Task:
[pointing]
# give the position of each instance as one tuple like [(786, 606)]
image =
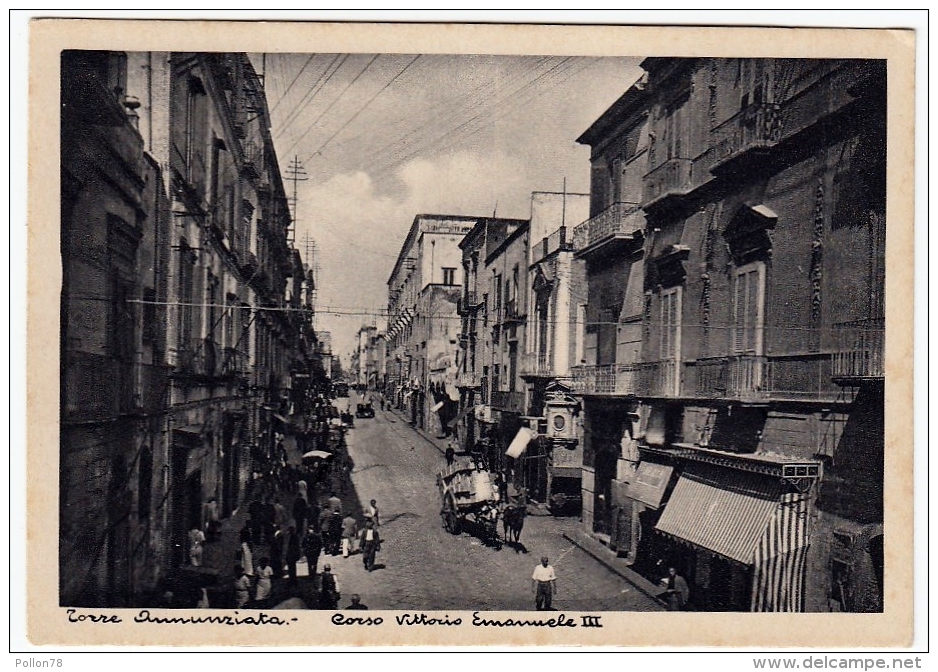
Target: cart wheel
[(450, 517)]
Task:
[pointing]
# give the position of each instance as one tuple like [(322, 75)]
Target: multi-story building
[(368, 359), (556, 289), (174, 221), (423, 324), (610, 246), (114, 385), (492, 311), (748, 335)]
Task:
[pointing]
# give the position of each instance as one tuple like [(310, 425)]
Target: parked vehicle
[(469, 494)]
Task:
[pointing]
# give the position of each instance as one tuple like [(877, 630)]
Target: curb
[(607, 558)]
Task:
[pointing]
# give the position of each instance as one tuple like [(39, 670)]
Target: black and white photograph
[(496, 338)]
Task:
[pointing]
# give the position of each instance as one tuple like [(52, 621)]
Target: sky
[(384, 137)]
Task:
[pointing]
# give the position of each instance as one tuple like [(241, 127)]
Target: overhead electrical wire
[(364, 107), (332, 104)]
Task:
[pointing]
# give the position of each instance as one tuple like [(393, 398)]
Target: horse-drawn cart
[(469, 494)]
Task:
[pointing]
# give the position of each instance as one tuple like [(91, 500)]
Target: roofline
[(627, 104)]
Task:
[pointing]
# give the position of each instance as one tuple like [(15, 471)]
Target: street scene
[(443, 333)]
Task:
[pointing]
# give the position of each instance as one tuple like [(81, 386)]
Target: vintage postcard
[(469, 335)]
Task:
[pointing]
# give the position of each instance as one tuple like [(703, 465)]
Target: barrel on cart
[(468, 494)]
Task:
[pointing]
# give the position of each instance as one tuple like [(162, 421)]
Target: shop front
[(739, 537)]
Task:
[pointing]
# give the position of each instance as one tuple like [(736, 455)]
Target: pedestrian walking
[(196, 544), (255, 511), (263, 574), (335, 504), (370, 544), (312, 547), (325, 526), (293, 553), (329, 593), (373, 513), (212, 521), (276, 552), (299, 513), (676, 591), (335, 533), (543, 585), (356, 602), (280, 513), (450, 454), (242, 587), (247, 558), (349, 534)]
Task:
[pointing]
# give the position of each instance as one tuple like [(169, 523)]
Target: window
[(186, 263), (748, 308), (670, 328), (449, 276), (671, 324)]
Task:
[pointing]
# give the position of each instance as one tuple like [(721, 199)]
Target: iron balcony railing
[(859, 349), (618, 220), (606, 379), (671, 178), (469, 379), (536, 364), (756, 378), (558, 240), (508, 401), (659, 379), (757, 126)]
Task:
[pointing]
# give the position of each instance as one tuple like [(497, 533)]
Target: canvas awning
[(520, 443), (649, 484), (721, 510)]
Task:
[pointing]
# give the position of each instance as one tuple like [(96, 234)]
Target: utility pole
[(296, 172)]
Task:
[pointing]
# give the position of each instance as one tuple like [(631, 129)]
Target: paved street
[(424, 567)]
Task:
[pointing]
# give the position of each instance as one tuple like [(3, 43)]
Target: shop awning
[(722, 510), (520, 443), (650, 482)]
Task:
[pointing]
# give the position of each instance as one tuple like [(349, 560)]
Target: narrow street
[(421, 566)]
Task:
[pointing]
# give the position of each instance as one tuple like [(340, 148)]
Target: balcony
[(513, 402), (253, 158), (746, 135), (96, 387), (235, 363), (512, 312), (658, 379), (669, 181), (468, 302), (616, 226), (749, 378), (469, 379), (555, 242), (606, 379), (859, 351), (536, 365)]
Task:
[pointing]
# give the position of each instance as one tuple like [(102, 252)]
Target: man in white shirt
[(543, 585)]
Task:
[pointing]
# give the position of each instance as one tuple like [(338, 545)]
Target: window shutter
[(739, 314)]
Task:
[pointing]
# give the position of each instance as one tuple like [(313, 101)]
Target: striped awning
[(781, 556), (722, 510)]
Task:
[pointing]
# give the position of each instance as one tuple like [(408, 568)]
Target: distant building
[(423, 324), (492, 312), (556, 289)]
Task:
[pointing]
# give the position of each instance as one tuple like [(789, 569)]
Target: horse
[(513, 522)]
